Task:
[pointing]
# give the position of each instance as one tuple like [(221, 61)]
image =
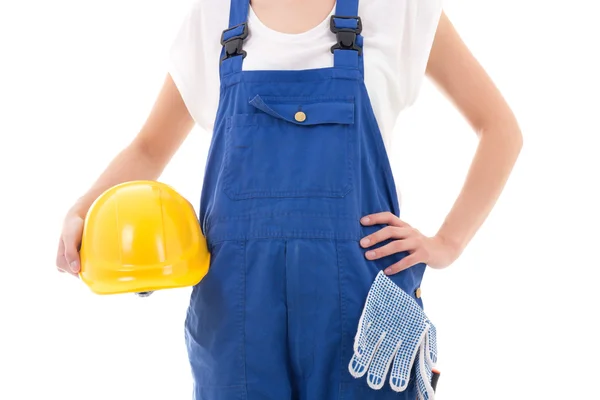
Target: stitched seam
[(324, 235), (243, 317), (284, 214), (342, 314)]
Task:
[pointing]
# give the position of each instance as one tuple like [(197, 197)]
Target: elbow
[(505, 132), (513, 137)]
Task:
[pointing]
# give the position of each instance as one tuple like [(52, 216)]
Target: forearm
[(146, 157), (132, 163), (464, 81), (496, 154)]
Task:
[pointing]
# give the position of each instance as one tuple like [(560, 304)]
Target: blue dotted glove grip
[(394, 332)]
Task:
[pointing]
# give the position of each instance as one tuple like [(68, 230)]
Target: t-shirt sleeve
[(190, 66), (419, 34)]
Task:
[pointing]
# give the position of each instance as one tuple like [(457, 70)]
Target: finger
[(401, 367), (423, 375), (72, 255), (431, 345), (388, 232), (397, 246), (363, 356), (407, 262), (364, 326), (62, 265), (383, 218), (67, 270), (61, 261), (380, 366)]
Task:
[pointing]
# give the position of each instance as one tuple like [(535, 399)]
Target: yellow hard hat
[(142, 236)]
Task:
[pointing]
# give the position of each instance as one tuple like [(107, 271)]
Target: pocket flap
[(307, 112)]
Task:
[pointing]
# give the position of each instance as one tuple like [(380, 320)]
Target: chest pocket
[(289, 148)]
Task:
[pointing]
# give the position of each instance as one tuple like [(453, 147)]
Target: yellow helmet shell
[(142, 236)]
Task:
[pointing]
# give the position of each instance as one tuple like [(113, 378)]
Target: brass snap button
[(418, 293), (300, 116)]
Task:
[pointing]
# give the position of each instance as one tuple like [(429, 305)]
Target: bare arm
[(147, 155), (144, 158), (458, 75)]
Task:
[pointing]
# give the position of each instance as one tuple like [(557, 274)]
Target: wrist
[(454, 244), (80, 208)]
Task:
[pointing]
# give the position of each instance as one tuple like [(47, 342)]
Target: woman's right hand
[(67, 257), (166, 128)]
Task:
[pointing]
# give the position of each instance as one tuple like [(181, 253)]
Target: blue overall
[(296, 159)]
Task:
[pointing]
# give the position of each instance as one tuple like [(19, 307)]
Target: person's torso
[(297, 153)]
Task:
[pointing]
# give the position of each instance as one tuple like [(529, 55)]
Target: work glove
[(392, 330), (426, 359)]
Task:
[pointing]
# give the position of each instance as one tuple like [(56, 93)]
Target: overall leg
[(267, 361), (333, 279), (314, 317), (236, 324)]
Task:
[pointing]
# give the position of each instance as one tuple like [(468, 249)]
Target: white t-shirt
[(398, 35)]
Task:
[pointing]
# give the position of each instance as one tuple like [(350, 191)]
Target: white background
[(516, 315)]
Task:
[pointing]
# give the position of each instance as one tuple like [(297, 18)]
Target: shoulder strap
[(347, 26), (232, 38)]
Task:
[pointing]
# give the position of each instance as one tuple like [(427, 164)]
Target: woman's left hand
[(433, 251)]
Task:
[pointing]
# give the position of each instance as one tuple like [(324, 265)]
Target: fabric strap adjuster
[(346, 30), (233, 40)]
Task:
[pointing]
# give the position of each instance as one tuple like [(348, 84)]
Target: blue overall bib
[(296, 159)]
